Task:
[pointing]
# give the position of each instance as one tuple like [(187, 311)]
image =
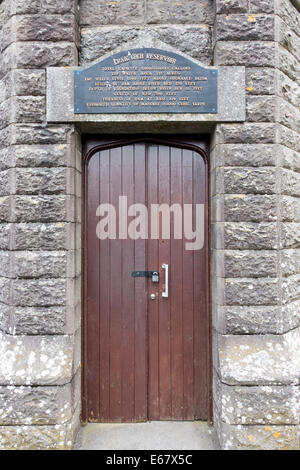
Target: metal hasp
[(153, 274), (146, 80)]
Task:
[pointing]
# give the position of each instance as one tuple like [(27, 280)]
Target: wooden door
[(145, 359)]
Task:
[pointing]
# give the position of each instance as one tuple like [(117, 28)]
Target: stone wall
[(39, 211), (255, 188), (255, 210)]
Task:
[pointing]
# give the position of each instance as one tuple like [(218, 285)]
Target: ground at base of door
[(153, 435)]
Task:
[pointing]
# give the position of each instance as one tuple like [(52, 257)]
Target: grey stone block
[(249, 133), (291, 289), (28, 82), (46, 156), (259, 360), (44, 437), (263, 291), (38, 360), (194, 41), (38, 321), (39, 54), (251, 236), (49, 264), (40, 27), (38, 236), (5, 235), (45, 181), (271, 405), (288, 64), (250, 264), (289, 138), (254, 54), (96, 12), (250, 208), (23, 405), (260, 81), (262, 6), (231, 6), (44, 208), (289, 14), (289, 158), (5, 208), (249, 181), (168, 12), (290, 235), (288, 39), (23, 134), (289, 115), (290, 262), (251, 320), (5, 290), (288, 89), (245, 155), (290, 209), (244, 28), (39, 292), (261, 109)]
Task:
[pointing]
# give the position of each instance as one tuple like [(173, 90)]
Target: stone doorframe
[(231, 108)]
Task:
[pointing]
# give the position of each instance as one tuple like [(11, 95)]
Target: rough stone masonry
[(255, 211)]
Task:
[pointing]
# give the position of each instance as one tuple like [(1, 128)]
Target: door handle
[(166, 292)]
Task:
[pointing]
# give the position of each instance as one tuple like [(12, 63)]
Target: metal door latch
[(153, 274)]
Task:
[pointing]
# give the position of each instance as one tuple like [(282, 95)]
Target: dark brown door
[(145, 358)]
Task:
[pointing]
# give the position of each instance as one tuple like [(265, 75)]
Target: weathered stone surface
[(288, 89), (249, 133), (263, 291), (5, 230), (45, 181), (51, 437), (291, 289), (259, 360), (261, 109), (44, 208), (258, 437), (262, 6), (290, 235), (192, 40), (260, 81), (231, 6), (290, 262), (39, 28), (248, 180), (271, 405), (37, 321), (5, 209), (38, 360), (5, 286), (42, 156), (290, 15), (250, 264), (96, 12), (38, 54), (36, 6), (38, 405), (168, 12), (40, 292), (36, 134), (290, 209), (244, 28), (289, 138), (250, 208), (249, 155), (288, 64), (254, 54), (250, 236), (49, 264), (253, 320), (288, 39), (37, 236), (289, 115)]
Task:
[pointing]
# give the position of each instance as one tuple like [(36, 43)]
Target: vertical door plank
[(176, 276), (188, 301), (165, 384), (141, 333), (128, 409), (104, 300), (153, 264), (93, 375), (115, 296)]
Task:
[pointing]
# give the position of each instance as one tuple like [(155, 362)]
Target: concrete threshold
[(153, 435)]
